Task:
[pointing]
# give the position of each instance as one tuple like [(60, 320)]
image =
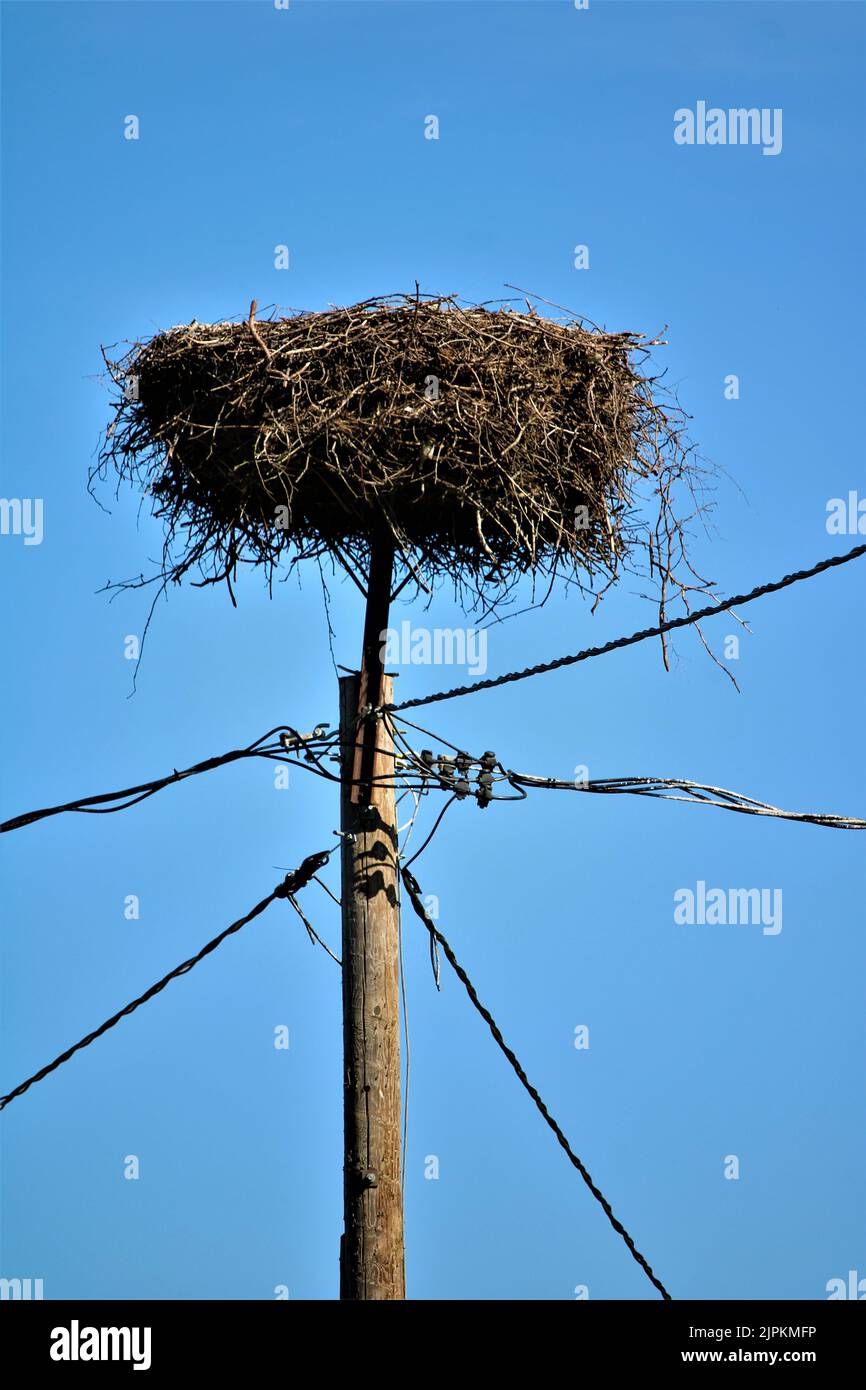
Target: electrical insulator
[(446, 772), (485, 789)]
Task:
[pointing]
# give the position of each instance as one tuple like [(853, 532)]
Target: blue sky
[(305, 127)]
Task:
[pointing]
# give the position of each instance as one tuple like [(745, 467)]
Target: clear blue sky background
[(306, 127)]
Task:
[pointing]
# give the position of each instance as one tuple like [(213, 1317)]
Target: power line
[(429, 780), (668, 626), (414, 890), (312, 748), (662, 788), (290, 885), (130, 796), (101, 804), (697, 793)]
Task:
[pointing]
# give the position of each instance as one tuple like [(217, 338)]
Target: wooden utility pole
[(371, 1253)]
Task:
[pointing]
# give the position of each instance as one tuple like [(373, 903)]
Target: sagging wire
[(105, 803), (696, 793)]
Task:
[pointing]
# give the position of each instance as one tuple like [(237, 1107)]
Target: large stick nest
[(484, 442)]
